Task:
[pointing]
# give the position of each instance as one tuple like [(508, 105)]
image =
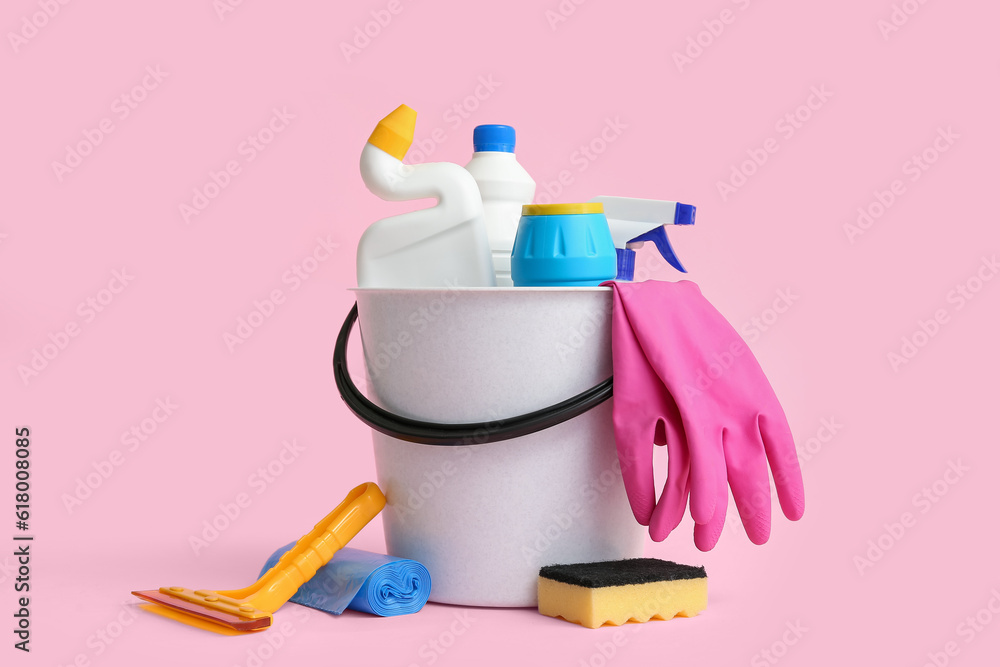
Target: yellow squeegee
[(250, 608)]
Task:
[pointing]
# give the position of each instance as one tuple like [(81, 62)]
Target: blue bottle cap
[(497, 138)]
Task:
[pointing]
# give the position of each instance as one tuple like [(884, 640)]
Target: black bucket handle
[(476, 433)]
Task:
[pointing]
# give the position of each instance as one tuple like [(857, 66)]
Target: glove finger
[(634, 442), (634, 426), (706, 535), (746, 468), (708, 469), (670, 509), (784, 461)]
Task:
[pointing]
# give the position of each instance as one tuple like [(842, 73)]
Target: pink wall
[(843, 109)]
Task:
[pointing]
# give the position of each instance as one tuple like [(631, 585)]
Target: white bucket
[(484, 518)]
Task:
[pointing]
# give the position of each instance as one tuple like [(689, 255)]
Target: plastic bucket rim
[(507, 290)]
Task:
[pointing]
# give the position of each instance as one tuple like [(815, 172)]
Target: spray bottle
[(633, 222), (442, 246)]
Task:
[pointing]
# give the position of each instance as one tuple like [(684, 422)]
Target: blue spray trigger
[(634, 221), (659, 237)]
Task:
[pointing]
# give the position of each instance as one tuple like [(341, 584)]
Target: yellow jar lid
[(562, 209)]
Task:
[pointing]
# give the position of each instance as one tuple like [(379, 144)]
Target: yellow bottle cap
[(394, 133), (562, 209)]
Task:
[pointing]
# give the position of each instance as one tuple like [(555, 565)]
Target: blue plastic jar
[(563, 245)]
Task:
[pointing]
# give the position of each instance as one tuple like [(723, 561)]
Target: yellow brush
[(251, 608)]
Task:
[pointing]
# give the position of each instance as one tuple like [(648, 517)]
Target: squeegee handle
[(314, 550)]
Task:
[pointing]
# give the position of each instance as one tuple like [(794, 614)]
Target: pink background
[(896, 431)]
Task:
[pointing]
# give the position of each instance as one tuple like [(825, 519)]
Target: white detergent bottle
[(505, 187), (442, 246)]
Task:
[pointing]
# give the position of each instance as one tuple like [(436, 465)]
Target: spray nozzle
[(633, 222)]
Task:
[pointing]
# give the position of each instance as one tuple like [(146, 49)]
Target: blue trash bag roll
[(363, 581)]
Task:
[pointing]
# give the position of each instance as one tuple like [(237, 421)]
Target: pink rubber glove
[(726, 415), (645, 414)]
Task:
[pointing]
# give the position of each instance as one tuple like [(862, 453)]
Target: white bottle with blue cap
[(505, 187)]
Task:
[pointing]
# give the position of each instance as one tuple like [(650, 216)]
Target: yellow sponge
[(615, 592)]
